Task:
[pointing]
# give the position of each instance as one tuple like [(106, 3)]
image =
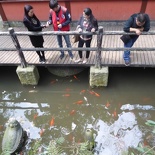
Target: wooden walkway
[(109, 58)]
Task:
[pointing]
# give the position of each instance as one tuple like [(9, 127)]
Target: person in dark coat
[(33, 24), (137, 23), (87, 23)]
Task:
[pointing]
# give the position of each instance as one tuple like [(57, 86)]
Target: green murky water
[(65, 107)]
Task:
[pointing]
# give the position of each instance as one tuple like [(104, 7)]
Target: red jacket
[(61, 20)]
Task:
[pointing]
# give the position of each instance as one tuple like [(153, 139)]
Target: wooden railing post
[(99, 44), (17, 45)]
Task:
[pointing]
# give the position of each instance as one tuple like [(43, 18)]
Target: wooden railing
[(100, 34)]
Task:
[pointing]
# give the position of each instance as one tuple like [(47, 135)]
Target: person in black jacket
[(137, 23), (87, 23), (33, 24)]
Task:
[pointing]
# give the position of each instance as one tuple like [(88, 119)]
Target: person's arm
[(50, 19), (128, 24), (30, 27), (95, 25), (79, 28), (147, 23), (68, 19)]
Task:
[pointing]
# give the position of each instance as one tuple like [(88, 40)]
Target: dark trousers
[(40, 53), (81, 43)]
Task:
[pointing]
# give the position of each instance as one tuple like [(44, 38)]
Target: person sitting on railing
[(136, 23), (87, 23), (60, 18), (33, 24)]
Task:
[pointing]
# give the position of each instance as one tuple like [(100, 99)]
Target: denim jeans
[(67, 40), (129, 44)]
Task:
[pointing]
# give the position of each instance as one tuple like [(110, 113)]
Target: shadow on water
[(66, 106)]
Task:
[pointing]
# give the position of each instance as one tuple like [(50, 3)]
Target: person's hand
[(79, 30), (59, 26), (47, 24), (138, 32), (93, 30), (43, 26)]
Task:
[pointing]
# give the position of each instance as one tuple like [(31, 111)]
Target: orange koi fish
[(68, 89), (115, 113), (41, 132), (52, 121), (107, 104), (66, 95), (75, 77), (35, 116), (79, 102), (91, 92), (96, 94), (53, 81), (72, 112), (82, 91), (1, 127)]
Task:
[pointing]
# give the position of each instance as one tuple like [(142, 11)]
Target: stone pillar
[(28, 75), (98, 77)]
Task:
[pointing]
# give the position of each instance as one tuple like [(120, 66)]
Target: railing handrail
[(23, 33), (98, 49)]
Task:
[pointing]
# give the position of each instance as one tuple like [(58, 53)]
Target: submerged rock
[(65, 71)]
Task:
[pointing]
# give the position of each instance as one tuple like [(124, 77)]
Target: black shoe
[(40, 60), (43, 59), (61, 56)]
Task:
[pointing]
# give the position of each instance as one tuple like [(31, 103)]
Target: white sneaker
[(78, 60), (85, 61)]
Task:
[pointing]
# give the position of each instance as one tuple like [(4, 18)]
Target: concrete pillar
[(28, 75), (98, 77)]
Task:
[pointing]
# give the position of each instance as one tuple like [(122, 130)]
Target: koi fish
[(33, 91), (72, 112), (75, 77), (85, 98), (91, 92), (52, 121), (96, 94), (1, 127), (66, 95), (53, 81), (82, 91), (107, 104), (41, 132), (115, 113), (79, 102), (68, 89), (35, 116)]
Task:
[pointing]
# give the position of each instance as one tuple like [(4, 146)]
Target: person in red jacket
[(60, 18)]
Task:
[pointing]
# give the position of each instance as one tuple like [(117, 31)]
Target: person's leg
[(42, 53), (68, 43), (129, 44), (87, 42), (59, 39), (40, 57), (80, 44)]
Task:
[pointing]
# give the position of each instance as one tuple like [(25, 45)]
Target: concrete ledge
[(98, 77), (28, 75)]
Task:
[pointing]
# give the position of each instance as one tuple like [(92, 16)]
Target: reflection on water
[(67, 106)]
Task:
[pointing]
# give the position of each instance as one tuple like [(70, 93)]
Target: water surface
[(66, 106)]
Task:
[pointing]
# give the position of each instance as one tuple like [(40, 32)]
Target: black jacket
[(33, 24), (131, 22)]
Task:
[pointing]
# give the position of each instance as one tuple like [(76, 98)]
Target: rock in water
[(65, 71)]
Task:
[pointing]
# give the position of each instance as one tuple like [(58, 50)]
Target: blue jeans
[(67, 40), (129, 44)]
